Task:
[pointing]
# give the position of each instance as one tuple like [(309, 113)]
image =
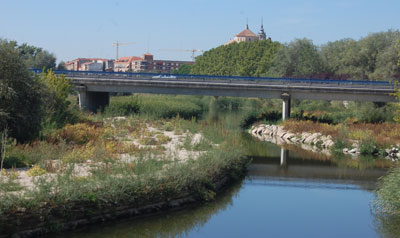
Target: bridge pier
[(93, 101), (285, 106)]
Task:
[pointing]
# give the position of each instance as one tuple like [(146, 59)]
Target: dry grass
[(383, 134), (312, 127)]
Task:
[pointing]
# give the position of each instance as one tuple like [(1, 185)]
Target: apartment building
[(147, 63), (90, 64)]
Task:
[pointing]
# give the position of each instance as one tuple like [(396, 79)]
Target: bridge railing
[(132, 75)]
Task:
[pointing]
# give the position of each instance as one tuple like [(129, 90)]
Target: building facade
[(147, 63), (90, 64)]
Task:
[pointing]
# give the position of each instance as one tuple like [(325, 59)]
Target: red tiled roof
[(130, 58), (88, 59), (246, 33), (99, 59)]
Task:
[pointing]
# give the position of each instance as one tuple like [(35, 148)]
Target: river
[(288, 192)]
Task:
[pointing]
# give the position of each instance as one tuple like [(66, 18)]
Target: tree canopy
[(27, 103), (183, 69), (241, 59), (373, 57), (35, 57), (20, 95), (298, 58)]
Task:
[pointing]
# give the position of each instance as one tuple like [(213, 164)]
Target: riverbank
[(367, 139), (120, 167)]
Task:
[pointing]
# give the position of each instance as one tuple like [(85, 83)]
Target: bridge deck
[(95, 86)]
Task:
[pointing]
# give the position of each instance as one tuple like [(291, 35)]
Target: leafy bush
[(368, 147), (58, 109), (339, 145), (35, 171), (253, 116), (80, 133)]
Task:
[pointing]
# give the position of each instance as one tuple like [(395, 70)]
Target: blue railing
[(203, 77)]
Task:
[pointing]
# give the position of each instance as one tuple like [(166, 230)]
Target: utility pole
[(117, 44)]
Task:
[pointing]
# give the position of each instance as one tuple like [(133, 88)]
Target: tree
[(241, 59), (20, 95), (183, 69), (397, 93), (56, 104), (341, 59), (35, 57), (61, 66), (373, 57), (298, 59)]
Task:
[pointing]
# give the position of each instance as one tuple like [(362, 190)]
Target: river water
[(287, 193)]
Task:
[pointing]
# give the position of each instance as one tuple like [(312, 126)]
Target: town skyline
[(74, 30)]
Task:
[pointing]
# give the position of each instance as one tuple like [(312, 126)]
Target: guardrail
[(212, 77)]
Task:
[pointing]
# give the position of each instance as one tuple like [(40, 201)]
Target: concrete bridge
[(94, 87)]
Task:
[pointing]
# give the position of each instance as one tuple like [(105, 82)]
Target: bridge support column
[(285, 106), (93, 101)]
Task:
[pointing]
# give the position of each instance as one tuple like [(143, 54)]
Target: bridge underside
[(95, 94), (93, 101)]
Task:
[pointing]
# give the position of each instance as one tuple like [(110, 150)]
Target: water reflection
[(284, 155), (271, 162), (167, 224)]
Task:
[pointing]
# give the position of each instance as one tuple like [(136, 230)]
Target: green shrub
[(254, 116), (35, 171), (368, 147), (339, 145)]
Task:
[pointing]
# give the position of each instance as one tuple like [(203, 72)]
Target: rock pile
[(278, 135), (393, 153), (313, 141)]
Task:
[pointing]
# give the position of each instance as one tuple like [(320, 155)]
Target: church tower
[(261, 33)]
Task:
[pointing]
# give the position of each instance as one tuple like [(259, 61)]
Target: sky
[(87, 28)]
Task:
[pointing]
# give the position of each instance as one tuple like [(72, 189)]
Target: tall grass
[(387, 204), (156, 106)]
